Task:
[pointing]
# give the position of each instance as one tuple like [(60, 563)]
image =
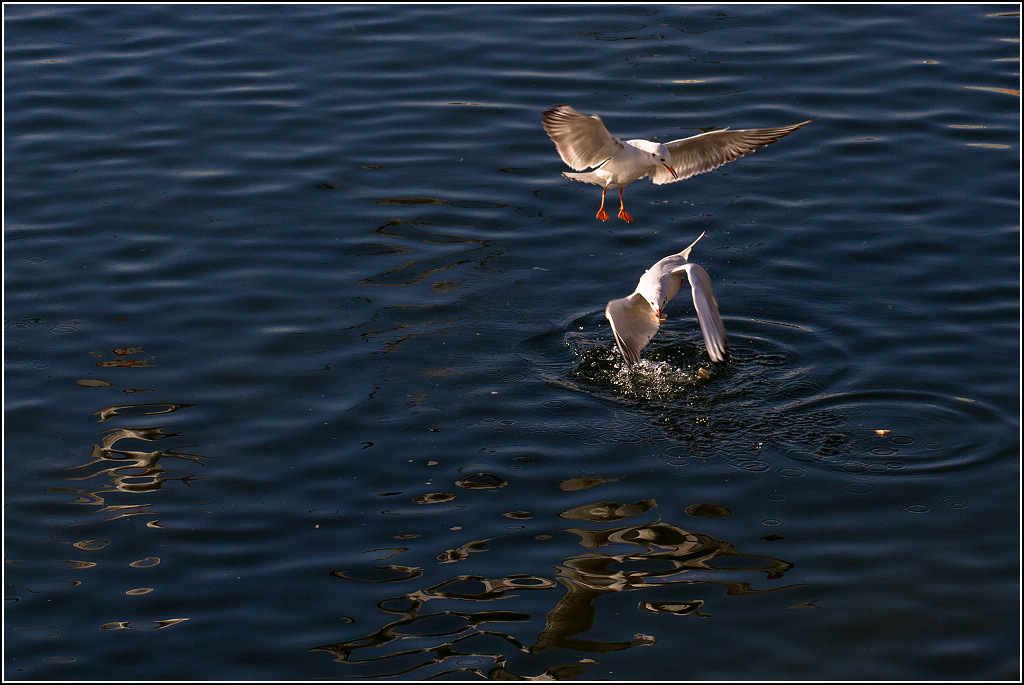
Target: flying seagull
[(584, 143)]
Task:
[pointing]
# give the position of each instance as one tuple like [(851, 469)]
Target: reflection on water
[(133, 625), (436, 259), (645, 557), (435, 251), (121, 477), (333, 342), (116, 470)]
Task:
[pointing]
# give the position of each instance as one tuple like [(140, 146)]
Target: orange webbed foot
[(622, 209), (602, 215)]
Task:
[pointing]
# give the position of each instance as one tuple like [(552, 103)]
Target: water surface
[(307, 373)]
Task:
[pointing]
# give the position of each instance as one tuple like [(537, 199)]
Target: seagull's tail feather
[(584, 176)]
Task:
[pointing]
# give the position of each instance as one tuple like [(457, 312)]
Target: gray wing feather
[(633, 324), (582, 141), (707, 151), (710, 320)]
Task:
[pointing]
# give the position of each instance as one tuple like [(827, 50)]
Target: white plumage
[(584, 143), (635, 319)]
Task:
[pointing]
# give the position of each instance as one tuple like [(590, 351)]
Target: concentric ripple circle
[(785, 388)]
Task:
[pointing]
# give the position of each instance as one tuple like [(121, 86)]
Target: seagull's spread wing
[(707, 312), (633, 324), (707, 151), (582, 142)]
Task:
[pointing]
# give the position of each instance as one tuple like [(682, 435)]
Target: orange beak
[(674, 174)]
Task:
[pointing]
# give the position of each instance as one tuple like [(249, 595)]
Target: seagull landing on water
[(635, 319), (584, 143)]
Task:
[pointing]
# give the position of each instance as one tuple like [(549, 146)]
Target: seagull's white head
[(660, 154), (663, 157), (655, 297)]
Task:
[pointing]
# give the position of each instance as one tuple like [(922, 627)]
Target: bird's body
[(633, 161), (635, 319), (584, 143)]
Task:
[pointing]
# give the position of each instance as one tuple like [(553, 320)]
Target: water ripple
[(649, 558), (923, 432), (768, 397)]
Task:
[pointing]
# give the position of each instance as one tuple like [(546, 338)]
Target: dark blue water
[(307, 374)]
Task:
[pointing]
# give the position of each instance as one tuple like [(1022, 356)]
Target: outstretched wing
[(707, 151), (633, 324), (582, 142), (710, 320)]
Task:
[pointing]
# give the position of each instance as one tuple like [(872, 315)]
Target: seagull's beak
[(674, 174)]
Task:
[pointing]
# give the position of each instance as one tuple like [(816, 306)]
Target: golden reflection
[(482, 481), (654, 557), (708, 511), (583, 482), (152, 625), (463, 552), (146, 409), (669, 552), (677, 608), (93, 383), (125, 362), (126, 471), (991, 89), (608, 511), (382, 574)]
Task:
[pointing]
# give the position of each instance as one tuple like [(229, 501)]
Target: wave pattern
[(304, 345)]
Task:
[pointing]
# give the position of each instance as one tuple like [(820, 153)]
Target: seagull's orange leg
[(622, 209), (601, 214)]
